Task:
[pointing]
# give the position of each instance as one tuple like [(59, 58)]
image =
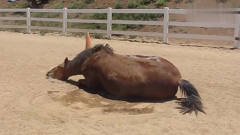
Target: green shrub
[(99, 16), (12, 5), (120, 16), (100, 7), (221, 1), (142, 7), (52, 15), (43, 32), (236, 5), (133, 26), (88, 1), (58, 5), (119, 27), (76, 5), (161, 3), (118, 5), (98, 36), (136, 16), (87, 26), (132, 4), (143, 2), (176, 7), (178, 1), (40, 14), (48, 15), (189, 1), (22, 5)]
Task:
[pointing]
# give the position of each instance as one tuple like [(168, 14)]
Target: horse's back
[(141, 67)]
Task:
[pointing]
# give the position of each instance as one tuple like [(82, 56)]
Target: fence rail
[(109, 22)]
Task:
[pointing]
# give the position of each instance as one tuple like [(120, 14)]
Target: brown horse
[(125, 76)]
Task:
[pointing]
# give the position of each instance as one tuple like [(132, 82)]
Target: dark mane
[(105, 47), (81, 57)]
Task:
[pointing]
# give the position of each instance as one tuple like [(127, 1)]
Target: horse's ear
[(66, 61), (106, 45), (88, 41)]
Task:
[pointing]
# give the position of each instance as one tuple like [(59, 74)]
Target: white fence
[(165, 23)]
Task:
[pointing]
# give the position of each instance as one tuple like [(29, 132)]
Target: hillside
[(78, 4), (127, 4)]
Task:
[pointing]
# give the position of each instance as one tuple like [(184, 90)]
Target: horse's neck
[(73, 68), (96, 59)]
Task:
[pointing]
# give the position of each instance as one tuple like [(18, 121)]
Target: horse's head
[(59, 72), (75, 66)]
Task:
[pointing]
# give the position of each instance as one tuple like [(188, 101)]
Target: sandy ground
[(30, 104)]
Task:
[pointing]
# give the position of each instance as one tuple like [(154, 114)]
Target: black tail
[(192, 102)]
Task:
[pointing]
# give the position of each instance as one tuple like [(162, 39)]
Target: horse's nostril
[(49, 74)]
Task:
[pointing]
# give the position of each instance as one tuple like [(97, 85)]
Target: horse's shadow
[(106, 95)]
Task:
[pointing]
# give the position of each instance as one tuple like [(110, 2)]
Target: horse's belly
[(142, 90), (158, 93)]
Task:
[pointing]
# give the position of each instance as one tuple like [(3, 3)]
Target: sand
[(30, 104)]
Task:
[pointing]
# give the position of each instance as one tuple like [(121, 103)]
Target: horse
[(129, 77)]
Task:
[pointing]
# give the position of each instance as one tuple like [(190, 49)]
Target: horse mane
[(105, 47), (81, 57)]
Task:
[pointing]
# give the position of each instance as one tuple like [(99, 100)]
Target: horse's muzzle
[(48, 75)]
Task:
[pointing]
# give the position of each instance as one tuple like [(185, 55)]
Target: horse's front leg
[(82, 83), (87, 85)]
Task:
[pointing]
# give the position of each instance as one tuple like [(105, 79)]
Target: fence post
[(165, 25), (237, 32), (28, 20), (109, 23), (64, 25)]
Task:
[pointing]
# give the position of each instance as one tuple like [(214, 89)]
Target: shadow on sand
[(106, 95)]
